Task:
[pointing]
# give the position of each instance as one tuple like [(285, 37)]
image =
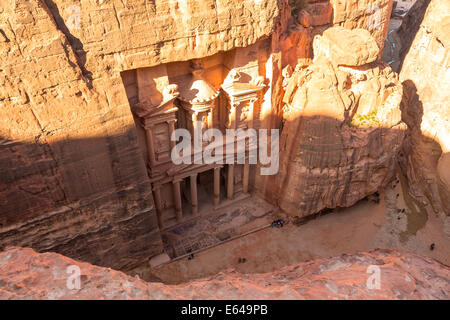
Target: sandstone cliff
[(315, 16), (72, 176), (342, 128), (426, 78), (25, 274)]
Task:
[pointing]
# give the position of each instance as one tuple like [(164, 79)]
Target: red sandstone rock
[(426, 78), (370, 15), (320, 13), (25, 274), (304, 18), (347, 47), (342, 130), (72, 175)]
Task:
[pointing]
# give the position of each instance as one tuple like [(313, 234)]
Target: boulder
[(426, 79), (342, 126)]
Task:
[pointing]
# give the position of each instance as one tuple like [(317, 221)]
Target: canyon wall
[(342, 129), (319, 15), (426, 108), (296, 46), (25, 274), (73, 179)]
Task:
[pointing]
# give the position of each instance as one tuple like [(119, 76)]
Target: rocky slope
[(426, 79), (25, 274), (343, 128)]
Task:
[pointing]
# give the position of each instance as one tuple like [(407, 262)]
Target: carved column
[(232, 119), (216, 186), (194, 123), (171, 130), (245, 176), (230, 175), (251, 110), (150, 146), (246, 169), (230, 181), (158, 205), (194, 200), (210, 119), (177, 200)]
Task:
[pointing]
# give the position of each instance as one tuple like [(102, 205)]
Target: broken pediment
[(146, 109), (238, 90)]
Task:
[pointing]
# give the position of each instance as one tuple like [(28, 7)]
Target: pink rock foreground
[(25, 274)]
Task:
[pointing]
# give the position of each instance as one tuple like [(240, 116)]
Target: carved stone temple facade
[(204, 93)]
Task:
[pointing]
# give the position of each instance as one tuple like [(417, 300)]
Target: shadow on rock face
[(410, 25), (89, 199), (75, 43), (422, 159), (342, 126)]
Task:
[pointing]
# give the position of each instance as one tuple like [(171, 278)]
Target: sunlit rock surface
[(342, 129), (426, 78), (72, 176), (25, 274)]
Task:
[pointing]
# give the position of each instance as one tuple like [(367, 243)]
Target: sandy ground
[(363, 227)]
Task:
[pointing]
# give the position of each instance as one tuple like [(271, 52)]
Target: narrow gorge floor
[(365, 226)]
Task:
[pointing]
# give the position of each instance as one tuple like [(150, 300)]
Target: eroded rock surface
[(318, 15), (25, 274), (426, 78), (342, 128), (372, 15), (72, 177)]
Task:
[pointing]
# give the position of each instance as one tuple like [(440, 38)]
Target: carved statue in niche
[(233, 76), (259, 81), (204, 123), (244, 113), (170, 91), (230, 110)]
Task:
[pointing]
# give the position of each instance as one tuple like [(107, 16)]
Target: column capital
[(234, 104)]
